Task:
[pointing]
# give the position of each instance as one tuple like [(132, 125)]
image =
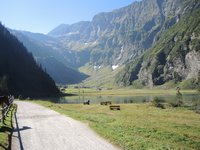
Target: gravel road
[(38, 128)]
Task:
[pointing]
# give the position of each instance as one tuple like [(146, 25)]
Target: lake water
[(186, 98)]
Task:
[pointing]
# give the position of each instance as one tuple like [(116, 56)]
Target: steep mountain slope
[(119, 36), (19, 73), (59, 72), (54, 58), (176, 56), (133, 35)]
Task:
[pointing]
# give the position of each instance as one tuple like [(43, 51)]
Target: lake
[(186, 98)]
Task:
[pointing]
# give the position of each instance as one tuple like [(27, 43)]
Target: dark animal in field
[(4, 100), (86, 102), (106, 103)]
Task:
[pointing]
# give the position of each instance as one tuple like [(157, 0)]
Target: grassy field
[(103, 76), (138, 126), (5, 131)]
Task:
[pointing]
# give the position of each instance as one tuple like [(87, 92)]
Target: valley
[(131, 74), (157, 44)]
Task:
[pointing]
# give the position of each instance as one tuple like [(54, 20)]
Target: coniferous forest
[(19, 73)]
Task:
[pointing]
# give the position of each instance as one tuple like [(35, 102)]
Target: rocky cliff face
[(192, 61), (122, 35), (177, 70), (176, 55)]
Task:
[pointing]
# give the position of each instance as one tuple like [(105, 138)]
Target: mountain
[(19, 73), (175, 57), (114, 38), (59, 72), (53, 57), (130, 36)]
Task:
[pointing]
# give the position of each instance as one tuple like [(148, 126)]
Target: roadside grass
[(6, 130), (138, 126)]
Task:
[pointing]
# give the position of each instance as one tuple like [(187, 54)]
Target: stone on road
[(38, 128)]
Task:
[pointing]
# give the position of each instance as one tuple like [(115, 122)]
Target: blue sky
[(43, 15)]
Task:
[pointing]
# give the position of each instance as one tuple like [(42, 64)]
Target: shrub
[(20, 97), (197, 110), (137, 84), (177, 103), (188, 84), (197, 106), (158, 103)]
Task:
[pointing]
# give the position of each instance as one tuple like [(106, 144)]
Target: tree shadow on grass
[(2, 146), (5, 129)]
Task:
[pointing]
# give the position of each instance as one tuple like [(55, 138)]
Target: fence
[(5, 109)]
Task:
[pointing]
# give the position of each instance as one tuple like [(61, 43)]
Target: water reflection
[(186, 98)]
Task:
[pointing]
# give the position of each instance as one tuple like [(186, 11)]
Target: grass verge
[(6, 130), (138, 126)]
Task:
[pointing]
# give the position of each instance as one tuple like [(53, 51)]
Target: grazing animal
[(86, 102), (4, 100)]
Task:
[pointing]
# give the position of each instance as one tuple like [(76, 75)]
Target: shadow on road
[(21, 129), (18, 130)]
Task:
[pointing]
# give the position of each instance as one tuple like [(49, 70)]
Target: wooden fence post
[(5, 108), (3, 114)]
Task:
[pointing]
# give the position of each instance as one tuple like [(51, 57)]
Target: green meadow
[(138, 126)]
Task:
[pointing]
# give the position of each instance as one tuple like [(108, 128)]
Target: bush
[(20, 97), (177, 103), (197, 106), (137, 84), (198, 88), (188, 84), (158, 103), (197, 110)]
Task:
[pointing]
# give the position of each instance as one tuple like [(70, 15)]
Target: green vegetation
[(198, 82), (5, 130), (158, 103), (138, 126), (100, 76), (137, 84), (19, 73)]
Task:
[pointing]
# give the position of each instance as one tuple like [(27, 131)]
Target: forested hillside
[(60, 63), (19, 73)]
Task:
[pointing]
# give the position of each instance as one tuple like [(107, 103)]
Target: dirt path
[(38, 128)]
